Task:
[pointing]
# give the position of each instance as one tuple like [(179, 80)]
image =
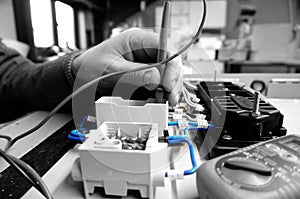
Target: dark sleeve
[(26, 86)]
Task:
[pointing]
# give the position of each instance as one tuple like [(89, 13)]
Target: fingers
[(172, 80), (140, 45), (144, 47), (149, 78), (129, 50), (174, 95), (173, 99), (172, 73)]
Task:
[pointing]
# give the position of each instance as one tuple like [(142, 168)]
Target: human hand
[(131, 49)]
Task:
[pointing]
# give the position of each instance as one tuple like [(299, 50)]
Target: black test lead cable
[(42, 187), (29, 174), (95, 81)]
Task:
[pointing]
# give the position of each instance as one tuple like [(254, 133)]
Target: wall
[(144, 18), (296, 11), (7, 20), (268, 11), (185, 15)]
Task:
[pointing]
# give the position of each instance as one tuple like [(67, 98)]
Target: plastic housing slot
[(128, 130), (116, 109)]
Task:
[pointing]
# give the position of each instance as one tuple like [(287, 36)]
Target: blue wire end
[(172, 123), (211, 126)]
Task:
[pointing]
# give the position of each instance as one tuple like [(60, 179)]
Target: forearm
[(25, 86)]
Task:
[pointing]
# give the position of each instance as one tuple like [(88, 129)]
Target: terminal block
[(106, 162), (124, 152)]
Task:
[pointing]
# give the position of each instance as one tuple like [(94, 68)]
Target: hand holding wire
[(162, 52), (110, 75)]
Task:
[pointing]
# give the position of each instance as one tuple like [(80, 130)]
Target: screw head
[(227, 137)]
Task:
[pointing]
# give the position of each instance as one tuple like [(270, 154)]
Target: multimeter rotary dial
[(246, 172)]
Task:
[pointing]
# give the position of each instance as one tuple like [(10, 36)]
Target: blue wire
[(187, 129), (77, 134), (192, 154), (74, 138), (172, 123), (183, 138), (193, 123), (186, 132), (174, 137), (175, 123)]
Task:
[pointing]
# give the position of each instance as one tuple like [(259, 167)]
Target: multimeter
[(268, 169)]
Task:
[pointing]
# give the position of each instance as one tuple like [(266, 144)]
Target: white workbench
[(59, 179)]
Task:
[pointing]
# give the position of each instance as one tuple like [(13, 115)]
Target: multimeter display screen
[(294, 144)]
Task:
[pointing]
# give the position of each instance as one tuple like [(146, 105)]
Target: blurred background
[(240, 36)]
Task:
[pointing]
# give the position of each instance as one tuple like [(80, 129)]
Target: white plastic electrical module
[(115, 109), (122, 154)]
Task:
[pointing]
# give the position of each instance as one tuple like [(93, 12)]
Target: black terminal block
[(239, 119)]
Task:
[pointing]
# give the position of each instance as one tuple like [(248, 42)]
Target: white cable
[(187, 97), (189, 85), (190, 118)]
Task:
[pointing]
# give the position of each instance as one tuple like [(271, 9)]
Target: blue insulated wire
[(77, 134), (172, 123), (192, 155), (186, 133), (175, 123), (75, 138)]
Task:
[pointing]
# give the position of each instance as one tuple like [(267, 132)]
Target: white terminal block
[(202, 124), (194, 98), (103, 162), (177, 116), (199, 108), (91, 119), (183, 123), (200, 116), (183, 106), (116, 109), (176, 174), (178, 110)]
